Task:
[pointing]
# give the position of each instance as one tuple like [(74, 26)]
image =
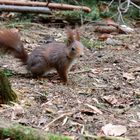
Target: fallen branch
[(12, 8), (44, 4)]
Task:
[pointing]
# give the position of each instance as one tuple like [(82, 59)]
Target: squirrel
[(54, 55)]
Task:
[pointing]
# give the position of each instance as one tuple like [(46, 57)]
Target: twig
[(82, 71), (39, 93), (125, 9), (94, 109), (110, 3), (82, 129), (46, 127), (135, 5), (120, 17)]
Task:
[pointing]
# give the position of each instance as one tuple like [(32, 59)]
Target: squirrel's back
[(45, 58)]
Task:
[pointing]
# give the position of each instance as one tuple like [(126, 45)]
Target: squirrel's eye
[(72, 49)]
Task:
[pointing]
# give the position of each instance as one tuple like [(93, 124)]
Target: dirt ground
[(107, 77)]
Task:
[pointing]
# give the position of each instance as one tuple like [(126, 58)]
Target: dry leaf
[(96, 70), (114, 130), (107, 69), (93, 72), (85, 90), (8, 15), (16, 111), (128, 76), (96, 100), (137, 92), (50, 110), (113, 42), (95, 109), (111, 99), (26, 40), (126, 29), (104, 37), (91, 75)]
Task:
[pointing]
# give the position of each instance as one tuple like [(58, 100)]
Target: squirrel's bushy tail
[(10, 40)]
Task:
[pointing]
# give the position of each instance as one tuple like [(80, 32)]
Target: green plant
[(132, 13), (19, 132), (89, 43), (57, 137), (8, 72)]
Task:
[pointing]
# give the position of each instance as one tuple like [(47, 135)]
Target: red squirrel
[(54, 55)]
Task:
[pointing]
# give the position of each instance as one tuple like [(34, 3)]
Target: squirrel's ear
[(77, 34), (70, 36)]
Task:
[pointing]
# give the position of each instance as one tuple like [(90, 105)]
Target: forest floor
[(104, 87)]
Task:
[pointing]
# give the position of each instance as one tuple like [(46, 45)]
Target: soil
[(107, 77)]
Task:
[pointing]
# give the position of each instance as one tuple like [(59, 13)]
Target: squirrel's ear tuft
[(70, 36), (77, 34)]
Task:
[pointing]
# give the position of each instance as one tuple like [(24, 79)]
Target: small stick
[(39, 93), (82, 71), (46, 127)]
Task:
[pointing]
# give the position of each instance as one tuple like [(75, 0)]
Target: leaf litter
[(103, 89)]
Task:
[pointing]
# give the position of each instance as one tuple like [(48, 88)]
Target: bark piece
[(59, 6)]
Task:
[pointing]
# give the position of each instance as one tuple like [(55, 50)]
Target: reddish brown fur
[(54, 55), (10, 39)]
